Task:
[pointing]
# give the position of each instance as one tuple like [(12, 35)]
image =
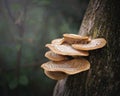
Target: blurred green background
[(25, 27)]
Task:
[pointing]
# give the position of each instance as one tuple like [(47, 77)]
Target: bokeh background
[(25, 27)]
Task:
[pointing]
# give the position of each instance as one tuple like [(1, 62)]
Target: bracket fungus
[(66, 50), (92, 45), (75, 39), (57, 41), (74, 36), (69, 67), (55, 75), (66, 55), (55, 57)]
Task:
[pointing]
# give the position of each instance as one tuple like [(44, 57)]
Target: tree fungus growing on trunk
[(102, 19)]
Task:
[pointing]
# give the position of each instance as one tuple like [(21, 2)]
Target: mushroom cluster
[(66, 55)]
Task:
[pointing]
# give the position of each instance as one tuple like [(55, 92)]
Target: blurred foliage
[(25, 27)]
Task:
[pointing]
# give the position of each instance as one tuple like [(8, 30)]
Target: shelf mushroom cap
[(55, 75), (75, 39), (92, 45), (74, 36), (69, 67), (71, 38), (66, 50), (55, 57), (57, 41)]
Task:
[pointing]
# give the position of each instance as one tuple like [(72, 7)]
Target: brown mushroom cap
[(66, 50), (74, 36), (57, 41), (75, 39), (55, 57), (94, 44), (69, 67), (55, 75)]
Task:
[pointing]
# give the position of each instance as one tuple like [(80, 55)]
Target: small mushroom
[(69, 67), (55, 57), (66, 50), (92, 45), (75, 39), (55, 75), (57, 41), (74, 36)]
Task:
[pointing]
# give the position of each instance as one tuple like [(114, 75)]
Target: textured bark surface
[(102, 19)]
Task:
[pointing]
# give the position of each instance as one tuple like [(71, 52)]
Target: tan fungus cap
[(75, 39), (55, 57), (94, 44), (57, 41), (55, 75), (69, 67), (74, 36), (66, 50)]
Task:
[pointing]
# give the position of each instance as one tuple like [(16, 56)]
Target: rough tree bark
[(102, 19)]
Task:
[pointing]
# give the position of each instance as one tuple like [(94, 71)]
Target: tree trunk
[(102, 19)]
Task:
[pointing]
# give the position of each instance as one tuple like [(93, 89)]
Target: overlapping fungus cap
[(74, 36), (74, 39), (55, 57), (92, 45), (55, 75), (66, 50), (68, 67), (57, 41)]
